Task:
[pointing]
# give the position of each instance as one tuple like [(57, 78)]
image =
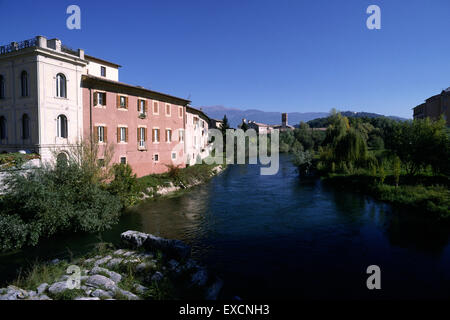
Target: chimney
[(284, 120), (41, 41), (54, 44)]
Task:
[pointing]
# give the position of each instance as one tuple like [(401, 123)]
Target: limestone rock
[(58, 287), (101, 282), (114, 276), (212, 292), (42, 288)]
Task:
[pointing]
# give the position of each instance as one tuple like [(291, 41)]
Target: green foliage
[(397, 170), (124, 184), (54, 199), (10, 160), (304, 161)]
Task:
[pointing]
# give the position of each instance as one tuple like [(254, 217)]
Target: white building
[(196, 142), (41, 101)]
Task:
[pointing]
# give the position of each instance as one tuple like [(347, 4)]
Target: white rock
[(102, 260), (158, 276), (101, 294), (87, 298), (114, 262), (42, 288), (58, 287), (101, 282), (114, 276)]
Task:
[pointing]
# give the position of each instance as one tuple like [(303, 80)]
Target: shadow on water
[(284, 237)]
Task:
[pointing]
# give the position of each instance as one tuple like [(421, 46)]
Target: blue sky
[(270, 55)]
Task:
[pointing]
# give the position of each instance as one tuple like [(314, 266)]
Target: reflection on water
[(284, 237)]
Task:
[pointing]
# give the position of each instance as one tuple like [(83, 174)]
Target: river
[(283, 237)]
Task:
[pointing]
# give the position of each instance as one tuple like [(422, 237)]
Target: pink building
[(146, 127)]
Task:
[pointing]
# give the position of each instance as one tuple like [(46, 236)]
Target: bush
[(51, 200), (124, 184)]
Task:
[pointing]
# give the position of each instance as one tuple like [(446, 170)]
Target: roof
[(198, 111), (112, 64), (260, 124), (90, 81)]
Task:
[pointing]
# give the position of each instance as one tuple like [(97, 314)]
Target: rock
[(102, 260), (158, 276), (42, 288), (64, 278), (101, 282), (14, 293), (114, 262), (114, 276), (200, 277), (173, 264), (128, 295), (140, 289), (212, 293), (119, 252), (102, 294), (142, 267), (173, 248), (134, 239), (87, 298), (44, 297), (128, 254), (55, 261), (58, 287), (146, 255), (88, 261)]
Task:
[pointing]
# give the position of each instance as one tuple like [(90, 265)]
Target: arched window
[(61, 159), (3, 130), (25, 126), (62, 126), (61, 88), (2, 87), (24, 83)]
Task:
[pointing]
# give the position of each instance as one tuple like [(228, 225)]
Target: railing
[(16, 46), (69, 50)]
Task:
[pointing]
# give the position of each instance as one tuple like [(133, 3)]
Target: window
[(180, 112), (155, 135), (101, 134), (167, 109), (61, 82), (156, 157), (141, 106), (142, 137), (123, 160), (25, 126), (3, 131), (155, 107), (24, 83), (123, 102), (174, 155), (62, 131), (122, 134), (2, 87), (100, 98), (168, 135), (61, 159), (181, 136), (103, 71)]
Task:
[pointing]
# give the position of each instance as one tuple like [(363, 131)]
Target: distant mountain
[(235, 115)]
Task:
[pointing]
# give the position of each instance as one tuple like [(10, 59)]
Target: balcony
[(142, 115), (16, 46), (142, 145)]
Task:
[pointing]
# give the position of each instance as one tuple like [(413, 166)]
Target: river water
[(283, 237)]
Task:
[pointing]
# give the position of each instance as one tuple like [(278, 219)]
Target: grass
[(40, 273), (9, 160), (182, 177), (422, 193)]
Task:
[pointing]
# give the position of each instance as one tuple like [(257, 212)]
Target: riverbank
[(176, 180), (420, 194), (144, 267)]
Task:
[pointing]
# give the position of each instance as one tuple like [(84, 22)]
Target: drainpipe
[(90, 117)]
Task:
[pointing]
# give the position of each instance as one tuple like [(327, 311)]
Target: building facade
[(52, 97), (435, 107), (197, 126)]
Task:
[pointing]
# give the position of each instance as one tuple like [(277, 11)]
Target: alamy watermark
[(74, 20), (241, 146), (373, 22)]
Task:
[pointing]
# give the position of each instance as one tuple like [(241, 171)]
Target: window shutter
[(145, 134), (118, 101), (126, 134), (126, 102), (105, 130), (95, 133), (145, 106), (118, 134), (104, 99), (138, 134), (95, 98), (138, 104), (153, 135)]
